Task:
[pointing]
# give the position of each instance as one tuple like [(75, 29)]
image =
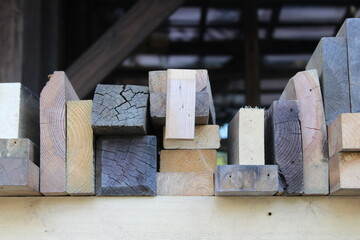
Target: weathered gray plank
[(158, 108), (233, 180), (330, 60), (351, 31), (126, 166), (19, 148), (120, 109), (283, 145)]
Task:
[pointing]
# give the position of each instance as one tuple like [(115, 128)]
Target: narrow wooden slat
[(305, 88), (80, 165), (53, 98), (180, 104)]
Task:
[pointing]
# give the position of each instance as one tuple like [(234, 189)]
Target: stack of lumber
[(182, 100)]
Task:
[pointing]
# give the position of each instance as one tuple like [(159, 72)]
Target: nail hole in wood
[(269, 213)]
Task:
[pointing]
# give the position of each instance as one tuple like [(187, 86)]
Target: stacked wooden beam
[(182, 99)]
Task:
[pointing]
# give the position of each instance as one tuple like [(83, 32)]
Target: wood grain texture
[(344, 133), (118, 42), (157, 83), (234, 180), (185, 184), (18, 177), (22, 112), (283, 144), (246, 137), (351, 31), (210, 218), (180, 104), (126, 166), (19, 148), (53, 99), (330, 61), (158, 108), (188, 161), (344, 170), (305, 88), (120, 109), (80, 164), (206, 137)]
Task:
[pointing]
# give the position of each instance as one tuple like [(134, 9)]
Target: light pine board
[(22, 112), (185, 184), (188, 161), (206, 137), (344, 133), (80, 164), (180, 104), (351, 31), (330, 60), (305, 88), (53, 99), (246, 137), (344, 170)]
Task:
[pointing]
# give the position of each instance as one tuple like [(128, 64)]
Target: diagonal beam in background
[(118, 42)]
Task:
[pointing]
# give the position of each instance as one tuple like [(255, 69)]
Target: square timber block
[(126, 166), (236, 180), (120, 110)]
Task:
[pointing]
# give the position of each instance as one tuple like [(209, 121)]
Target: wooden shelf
[(179, 218)]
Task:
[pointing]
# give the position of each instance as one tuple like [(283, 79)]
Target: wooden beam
[(19, 148), (118, 42)]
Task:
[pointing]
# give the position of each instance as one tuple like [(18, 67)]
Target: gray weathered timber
[(234, 180), (120, 109), (126, 166), (283, 145), (19, 148), (330, 60), (22, 112), (158, 108), (351, 31), (18, 176)]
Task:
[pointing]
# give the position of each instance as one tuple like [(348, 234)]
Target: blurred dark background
[(250, 48)]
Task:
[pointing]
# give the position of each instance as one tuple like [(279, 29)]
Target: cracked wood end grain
[(120, 109), (126, 166)]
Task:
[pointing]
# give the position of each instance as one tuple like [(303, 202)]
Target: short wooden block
[(80, 164), (283, 144), (19, 148), (330, 60), (20, 108), (246, 137), (158, 108), (305, 88), (235, 180), (344, 171), (350, 30), (158, 83), (126, 166), (53, 98), (185, 184), (206, 137), (188, 161), (18, 177), (344, 133), (120, 109)]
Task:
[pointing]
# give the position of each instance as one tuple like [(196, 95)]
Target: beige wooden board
[(185, 184), (206, 137), (80, 150), (180, 104), (305, 88), (53, 99), (104, 218), (246, 137), (344, 170), (344, 133), (188, 161)]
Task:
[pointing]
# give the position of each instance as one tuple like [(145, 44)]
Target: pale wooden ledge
[(179, 218)]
